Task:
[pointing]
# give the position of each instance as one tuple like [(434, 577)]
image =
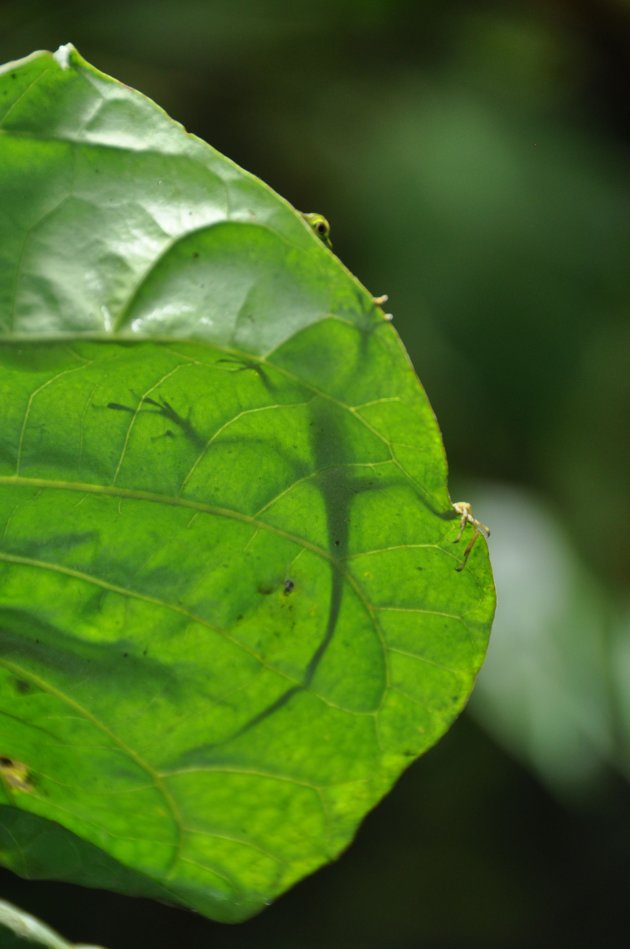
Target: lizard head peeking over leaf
[(320, 225)]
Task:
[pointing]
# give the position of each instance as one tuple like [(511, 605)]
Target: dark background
[(473, 161)]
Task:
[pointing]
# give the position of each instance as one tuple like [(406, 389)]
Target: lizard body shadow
[(338, 487)]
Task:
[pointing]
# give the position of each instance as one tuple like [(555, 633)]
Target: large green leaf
[(230, 613)]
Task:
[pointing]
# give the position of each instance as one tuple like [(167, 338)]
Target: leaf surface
[(229, 609)]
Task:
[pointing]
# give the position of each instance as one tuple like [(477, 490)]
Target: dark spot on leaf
[(13, 76), (337, 542), (125, 655), (265, 588), (289, 585), (22, 687), (196, 254)]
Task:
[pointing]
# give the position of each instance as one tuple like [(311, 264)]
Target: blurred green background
[(473, 161)]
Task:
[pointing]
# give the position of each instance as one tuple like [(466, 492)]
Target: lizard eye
[(322, 228)]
